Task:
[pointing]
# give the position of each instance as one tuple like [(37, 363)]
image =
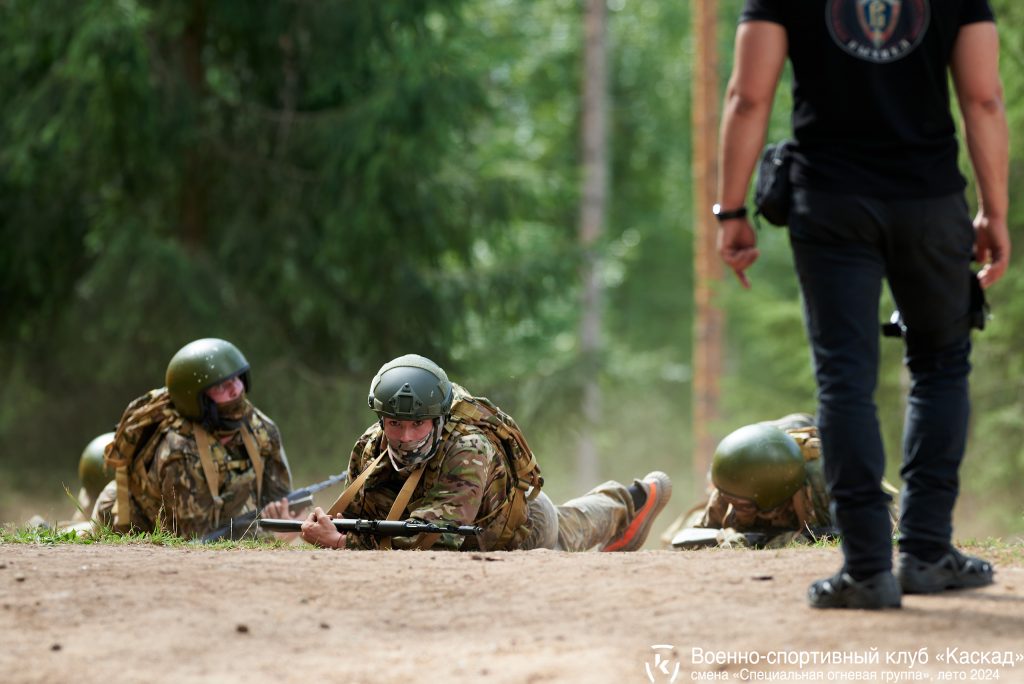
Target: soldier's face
[(403, 431), (229, 390)]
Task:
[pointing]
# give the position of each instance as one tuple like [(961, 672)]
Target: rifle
[(297, 500), (702, 537), (378, 528)]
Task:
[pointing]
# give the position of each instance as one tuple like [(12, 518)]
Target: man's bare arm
[(760, 55), (761, 48), (975, 68)]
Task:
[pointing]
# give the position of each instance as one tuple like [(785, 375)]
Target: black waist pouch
[(773, 191)]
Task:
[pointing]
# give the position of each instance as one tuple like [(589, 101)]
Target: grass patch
[(48, 536), (996, 550)]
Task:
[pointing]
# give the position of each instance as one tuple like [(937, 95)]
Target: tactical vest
[(524, 480), (144, 422)]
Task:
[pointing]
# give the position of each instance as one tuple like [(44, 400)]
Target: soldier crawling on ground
[(766, 490), (439, 455)]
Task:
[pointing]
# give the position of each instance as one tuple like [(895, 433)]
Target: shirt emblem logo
[(878, 31)]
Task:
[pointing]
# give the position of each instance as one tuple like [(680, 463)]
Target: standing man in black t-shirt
[(877, 195)]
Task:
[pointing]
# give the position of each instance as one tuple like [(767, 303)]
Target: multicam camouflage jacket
[(466, 483), (167, 483)]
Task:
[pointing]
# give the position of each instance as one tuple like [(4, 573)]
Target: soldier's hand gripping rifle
[(378, 528), (297, 500)]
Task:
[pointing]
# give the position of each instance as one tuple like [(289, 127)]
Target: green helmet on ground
[(759, 463), (92, 472), (411, 387), (197, 367)]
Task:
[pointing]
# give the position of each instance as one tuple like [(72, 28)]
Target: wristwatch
[(721, 215)]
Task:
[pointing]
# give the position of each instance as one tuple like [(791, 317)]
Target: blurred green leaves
[(330, 184)]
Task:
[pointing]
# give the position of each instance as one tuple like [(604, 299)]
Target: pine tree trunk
[(709, 321), (592, 216), (193, 196)]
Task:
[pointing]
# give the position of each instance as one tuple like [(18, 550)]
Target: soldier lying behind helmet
[(767, 490), (439, 455), (203, 413)]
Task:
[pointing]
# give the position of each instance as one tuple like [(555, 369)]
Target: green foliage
[(314, 181), (995, 461), (330, 184)]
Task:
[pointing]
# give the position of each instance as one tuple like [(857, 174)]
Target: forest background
[(332, 184)]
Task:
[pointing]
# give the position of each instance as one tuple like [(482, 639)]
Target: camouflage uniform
[(168, 486), (466, 482), (806, 512), (801, 517)]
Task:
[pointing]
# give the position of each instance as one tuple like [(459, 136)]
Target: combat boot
[(658, 489), (953, 571), (842, 591)]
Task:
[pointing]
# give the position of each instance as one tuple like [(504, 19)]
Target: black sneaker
[(842, 591), (952, 571)]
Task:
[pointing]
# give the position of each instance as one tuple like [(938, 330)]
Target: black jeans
[(844, 246)]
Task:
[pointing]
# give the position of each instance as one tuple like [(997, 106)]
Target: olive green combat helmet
[(92, 472), (198, 366), (760, 463), (411, 387)]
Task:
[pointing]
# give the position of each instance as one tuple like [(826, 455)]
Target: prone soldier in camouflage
[(767, 489), (194, 454), (93, 474), (439, 455)]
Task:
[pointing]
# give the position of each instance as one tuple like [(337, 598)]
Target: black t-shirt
[(871, 108)]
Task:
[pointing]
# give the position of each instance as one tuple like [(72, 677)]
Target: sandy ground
[(152, 614)]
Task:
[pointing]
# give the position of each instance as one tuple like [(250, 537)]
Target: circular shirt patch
[(877, 31)]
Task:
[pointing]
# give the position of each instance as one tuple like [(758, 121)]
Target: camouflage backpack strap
[(506, 435), (251, 448), (204, 445), (144, 417), (508, 439)]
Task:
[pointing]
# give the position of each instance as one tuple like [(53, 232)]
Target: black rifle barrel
[(380, 528)]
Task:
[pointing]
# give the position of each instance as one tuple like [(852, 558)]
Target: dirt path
[(151, 614)]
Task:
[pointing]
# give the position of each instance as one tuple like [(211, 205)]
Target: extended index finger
[(744, 281)]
